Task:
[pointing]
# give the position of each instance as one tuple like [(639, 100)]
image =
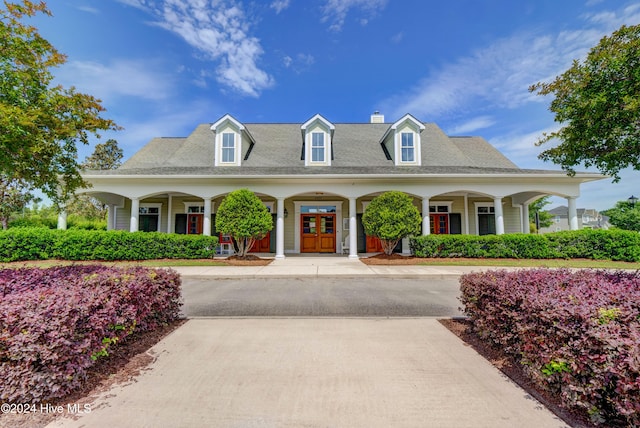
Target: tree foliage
[(544, 218), (390, 217), (597, 101), (624, 215), (40, 124), (106, 155), (244, 217), (14, 196)]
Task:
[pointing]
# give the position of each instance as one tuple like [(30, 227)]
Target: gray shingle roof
[(356, 150)]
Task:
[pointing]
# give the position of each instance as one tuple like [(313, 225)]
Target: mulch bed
[(511, 368), (126, 360)]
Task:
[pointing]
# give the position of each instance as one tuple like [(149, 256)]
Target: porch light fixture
[(286, 213), (632, 200)]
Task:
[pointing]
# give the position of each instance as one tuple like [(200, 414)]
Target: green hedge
[(618, 245), (40, 244)]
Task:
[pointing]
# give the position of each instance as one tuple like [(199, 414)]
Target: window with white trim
[(407, 148), (228, 147), (317, 147), (149, 217), (486, 218)]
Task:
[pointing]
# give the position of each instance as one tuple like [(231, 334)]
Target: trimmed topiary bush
[(577, 334), (56, 323), (244, 217), (390, 217)]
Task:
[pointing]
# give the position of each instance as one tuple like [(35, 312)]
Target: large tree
[(106, 155), (597, 102), (40, 123), (390, 217)]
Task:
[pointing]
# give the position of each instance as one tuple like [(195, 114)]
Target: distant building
[(588, 218)]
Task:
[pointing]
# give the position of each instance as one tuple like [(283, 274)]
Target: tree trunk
[(5, 223), (388, 245)]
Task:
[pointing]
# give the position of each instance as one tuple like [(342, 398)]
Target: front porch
[(321, 222)]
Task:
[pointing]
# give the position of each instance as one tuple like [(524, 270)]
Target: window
[(195, 209), (149, 218), (228, 148), (317, 147), (486, 220), (407, 147)]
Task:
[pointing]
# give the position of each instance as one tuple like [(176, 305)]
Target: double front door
[(318, 233)]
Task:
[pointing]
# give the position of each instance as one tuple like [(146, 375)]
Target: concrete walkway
[(315, 372), (326, 266)]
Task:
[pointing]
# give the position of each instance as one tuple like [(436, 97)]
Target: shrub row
[(56, 323), (577, 334), (619, 245), (40, 244)]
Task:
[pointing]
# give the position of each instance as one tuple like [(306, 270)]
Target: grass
[(146, 263), (543, 263)]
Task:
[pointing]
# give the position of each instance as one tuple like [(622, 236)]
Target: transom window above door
[(318, 209)]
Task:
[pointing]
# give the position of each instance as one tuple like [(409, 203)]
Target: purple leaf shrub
[(53, 321), (576, 333)]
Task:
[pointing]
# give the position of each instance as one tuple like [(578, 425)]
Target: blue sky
[(161, 67)]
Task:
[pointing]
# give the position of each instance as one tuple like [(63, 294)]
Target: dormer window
[(318, 149), (228, 147), (401, 141), (407, 148), (317, 134), (230, 135)]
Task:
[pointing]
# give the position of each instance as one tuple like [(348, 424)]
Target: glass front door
[(318, 233)]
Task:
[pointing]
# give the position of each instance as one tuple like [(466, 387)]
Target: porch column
[(110, 216), (169, 208), (426, 223), (466, 214), (62, 219), (135, 214), (499, 216), (353, 230), (525, 218), (573, 213), (206, 221), (280, 229)]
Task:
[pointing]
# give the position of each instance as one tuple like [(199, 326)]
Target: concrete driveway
[(321, 297), (322, 372)]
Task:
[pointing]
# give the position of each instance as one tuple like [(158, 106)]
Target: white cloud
[(118, 78), (301, 62), (220, 30), (472, 125), (89, 9), (397, 38), (336, 11), (520, 147), (498, 75), (279, 5)]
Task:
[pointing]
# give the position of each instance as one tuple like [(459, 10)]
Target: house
[(588, 218), (317, 178)]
